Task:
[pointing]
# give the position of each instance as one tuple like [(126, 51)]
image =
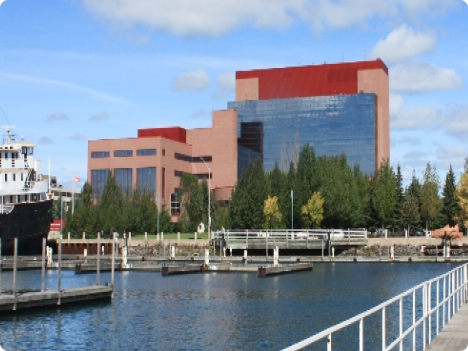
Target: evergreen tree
[(192, 197), (450, 207), (278, 186), (364, 198), (246, 207), (410, 211), (385, 194), (111, 208), (430, 202), (397, 214)]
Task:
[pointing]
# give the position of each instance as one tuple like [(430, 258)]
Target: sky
[(79, 70)]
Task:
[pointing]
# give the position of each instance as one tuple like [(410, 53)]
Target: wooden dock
[(51, 298), (454, 336)]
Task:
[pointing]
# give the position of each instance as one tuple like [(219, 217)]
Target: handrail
[(454, 296)]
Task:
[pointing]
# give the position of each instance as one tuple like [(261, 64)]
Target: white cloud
[(45, 81), (454, 121), (57, 117), (77, 136), (419, 77), (45, 141), (402, 44), (99, 117), (192, 81), (419, 117), (199, 114), (1, 1), (414, 141), (225, 86), (188, 18)]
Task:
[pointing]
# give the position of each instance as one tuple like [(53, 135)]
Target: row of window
[(197, 159), (146, 179), (124, 153), (14, 177)]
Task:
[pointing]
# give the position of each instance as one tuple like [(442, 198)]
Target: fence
[(440, 299)]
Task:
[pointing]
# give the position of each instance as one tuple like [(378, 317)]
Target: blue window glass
[(98, 181), (275, 130), (146, 152), (146, 179), (100, 154), (123, 153), (123, 177)]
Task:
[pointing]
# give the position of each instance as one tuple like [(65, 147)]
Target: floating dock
[(266, 271), (180, 269), (54, 297)]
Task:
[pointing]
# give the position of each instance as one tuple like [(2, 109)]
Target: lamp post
[(292, 210), (157, 202), (209, 196)]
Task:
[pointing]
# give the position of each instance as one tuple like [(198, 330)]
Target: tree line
[(320, 192)]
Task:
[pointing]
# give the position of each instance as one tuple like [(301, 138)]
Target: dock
[(51, 298), (180, 269), (267, 271), (454, 336)]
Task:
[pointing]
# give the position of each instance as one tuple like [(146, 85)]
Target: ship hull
[(29, 223)]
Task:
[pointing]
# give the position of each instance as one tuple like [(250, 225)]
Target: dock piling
[(98, 278), (1, 266), (113, 259), (15, 253), (59, 270), (43, 264)]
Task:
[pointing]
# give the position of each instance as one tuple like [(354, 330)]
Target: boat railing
[(440, 298)]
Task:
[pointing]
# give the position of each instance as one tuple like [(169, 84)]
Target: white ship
[(25, 202)]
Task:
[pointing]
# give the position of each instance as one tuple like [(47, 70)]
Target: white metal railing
[(255, 236), (444, 304)]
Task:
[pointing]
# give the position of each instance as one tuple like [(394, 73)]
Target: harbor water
[(213, 311)]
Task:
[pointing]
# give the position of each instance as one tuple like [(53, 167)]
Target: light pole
[(209, 196), (157, 204), (292, 210)]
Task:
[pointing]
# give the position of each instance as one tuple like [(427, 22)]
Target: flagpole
[(73, 195)]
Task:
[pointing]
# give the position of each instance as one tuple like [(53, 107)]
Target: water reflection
[(214, 311)]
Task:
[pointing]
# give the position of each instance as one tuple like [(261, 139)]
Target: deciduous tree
[(313, 210)]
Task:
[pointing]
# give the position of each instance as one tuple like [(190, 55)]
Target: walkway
[(454, 336)]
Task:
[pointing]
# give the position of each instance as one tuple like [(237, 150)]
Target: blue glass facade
[(123, 177), (146, 180), (274, 129), (99, 180)]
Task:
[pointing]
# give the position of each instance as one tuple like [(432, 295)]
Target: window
[(100, 154), (99, 180), (175, 204), (163, 192), (6, 155), (146, 152), (146, 179), (164, 152), (123, 153), (123, 177), (14, 176)]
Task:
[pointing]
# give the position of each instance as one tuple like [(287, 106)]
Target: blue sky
[(77, 70)]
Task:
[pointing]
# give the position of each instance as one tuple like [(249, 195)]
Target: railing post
[(429, 309), (438, 307), (329, 343), (444, 297), (414, 319), (361, 334), (424, 311), (453, 294), (384, 337), (401, 323)]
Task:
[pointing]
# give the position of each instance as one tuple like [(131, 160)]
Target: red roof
[(305, 81), (173, 133)]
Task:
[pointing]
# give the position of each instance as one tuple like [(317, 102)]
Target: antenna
[(4, 115)]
